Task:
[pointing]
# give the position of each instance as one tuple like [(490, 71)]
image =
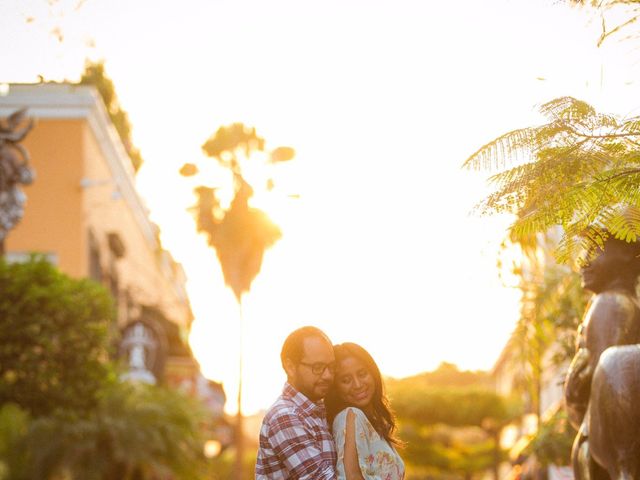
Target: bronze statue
[(14, 170), (602, 388)]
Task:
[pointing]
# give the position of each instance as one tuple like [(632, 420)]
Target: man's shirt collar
[(299, 399)]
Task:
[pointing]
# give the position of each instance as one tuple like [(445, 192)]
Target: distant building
[(512, 374), (83, 212)]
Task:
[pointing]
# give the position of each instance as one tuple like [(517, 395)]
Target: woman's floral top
[(378, 460)]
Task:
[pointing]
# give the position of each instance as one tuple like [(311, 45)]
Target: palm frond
[(567, 109), (631, 127), (508, 147), (583, 171)]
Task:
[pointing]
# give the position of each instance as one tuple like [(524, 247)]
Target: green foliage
[(135, 431), (553, 441), (424, 405), (448, 375), (94, 74), (450, 421), (424, 447), (222, 467), (551, 308), (470, 458), (441, 451), (550, 314), (54, 332), (426, 399), (62, 413), (14, 423), (580, 170)]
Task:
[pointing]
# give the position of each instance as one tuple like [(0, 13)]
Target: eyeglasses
[(319, 367)]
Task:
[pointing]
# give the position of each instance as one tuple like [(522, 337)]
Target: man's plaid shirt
[(295, 441)]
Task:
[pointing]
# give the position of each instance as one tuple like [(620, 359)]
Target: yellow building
[(84, 213)]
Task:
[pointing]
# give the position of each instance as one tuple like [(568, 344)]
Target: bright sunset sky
[(383, 100)]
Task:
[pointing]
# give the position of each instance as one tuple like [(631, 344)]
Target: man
[(295, 440), (612, 318)]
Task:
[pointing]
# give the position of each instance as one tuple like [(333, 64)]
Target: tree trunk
[(496, 454), (239, 430)]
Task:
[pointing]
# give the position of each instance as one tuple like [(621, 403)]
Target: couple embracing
[(332, 421)]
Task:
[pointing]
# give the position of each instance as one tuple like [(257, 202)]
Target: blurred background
[(331, 137)]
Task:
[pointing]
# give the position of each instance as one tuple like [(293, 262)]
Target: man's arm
[(294, 443)]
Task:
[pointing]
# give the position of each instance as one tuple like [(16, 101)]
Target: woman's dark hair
[(380, 416)]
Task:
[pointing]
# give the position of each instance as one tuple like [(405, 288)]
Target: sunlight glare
[(378, 246)]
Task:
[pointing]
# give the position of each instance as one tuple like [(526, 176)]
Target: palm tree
[(241, 233)]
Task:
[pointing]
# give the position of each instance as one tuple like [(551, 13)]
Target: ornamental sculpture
[(602, 388), (140, 347), (14, 171)]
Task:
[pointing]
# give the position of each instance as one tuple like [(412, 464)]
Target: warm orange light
[(212, 448), (377, 246)]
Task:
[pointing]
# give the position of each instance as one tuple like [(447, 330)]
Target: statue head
[(616, 265)]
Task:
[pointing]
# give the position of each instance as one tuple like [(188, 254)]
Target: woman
[(363, 425)]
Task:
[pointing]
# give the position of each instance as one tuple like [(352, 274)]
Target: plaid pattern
[(295, 440)]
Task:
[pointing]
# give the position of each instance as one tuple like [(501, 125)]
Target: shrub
[(54, 332)]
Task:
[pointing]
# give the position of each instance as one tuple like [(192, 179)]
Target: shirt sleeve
[(295, 444)]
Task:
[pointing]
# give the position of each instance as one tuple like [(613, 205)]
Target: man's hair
[(293, 346)]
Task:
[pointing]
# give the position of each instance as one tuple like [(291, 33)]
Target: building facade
[(83, 212)]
